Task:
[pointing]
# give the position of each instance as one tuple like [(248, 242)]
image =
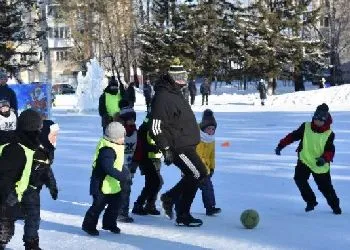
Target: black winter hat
[(29, 120), (321, 113), (208, 119)]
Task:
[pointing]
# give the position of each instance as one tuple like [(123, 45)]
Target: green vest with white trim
[(110, 185), (313, 147), (22, 183)]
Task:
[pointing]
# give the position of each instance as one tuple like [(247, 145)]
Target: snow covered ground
[(248, 175)]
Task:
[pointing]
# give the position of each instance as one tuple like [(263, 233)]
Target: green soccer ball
[(250, 218)]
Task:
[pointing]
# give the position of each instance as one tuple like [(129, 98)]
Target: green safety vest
[(112, 103), (313, 147), (110, 185), (153, 155), (23, 182)]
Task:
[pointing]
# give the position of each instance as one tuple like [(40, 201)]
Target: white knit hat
[(114, 131)]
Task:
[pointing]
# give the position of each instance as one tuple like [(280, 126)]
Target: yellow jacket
[(206, 150)]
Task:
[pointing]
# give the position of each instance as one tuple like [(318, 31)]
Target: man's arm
[(159, 122)]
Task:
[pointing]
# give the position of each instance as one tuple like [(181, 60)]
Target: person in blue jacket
[(107, 173)]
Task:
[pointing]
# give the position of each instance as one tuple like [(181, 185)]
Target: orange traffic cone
[(225, 144)]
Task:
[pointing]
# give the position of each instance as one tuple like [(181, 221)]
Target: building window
[(324, 22), (61, 55)]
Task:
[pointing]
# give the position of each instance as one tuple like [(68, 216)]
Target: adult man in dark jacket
[(193, 90), (130, 94), (175, 131), (147, 93), (15, 167), (205, 91), (108, 105), (6, 93)]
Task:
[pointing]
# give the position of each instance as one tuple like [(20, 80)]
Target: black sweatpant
[(193, 171), (98, 205), (153, 182), (31, 208), (193, 97), (323, 181), (7, 222), (205, 96)]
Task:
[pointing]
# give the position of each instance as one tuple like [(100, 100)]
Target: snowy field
[(248, 175)]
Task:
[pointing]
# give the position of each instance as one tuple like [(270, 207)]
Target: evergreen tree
[(19, 34)]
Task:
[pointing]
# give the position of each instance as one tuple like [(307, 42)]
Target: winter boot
[(91, 231), (311, 206), (212, 211), (151, 209), (188, 221), (138, 209), (89, 224), (114, 229), (125, 218), (32, 244), (337, 210), (167, 204)]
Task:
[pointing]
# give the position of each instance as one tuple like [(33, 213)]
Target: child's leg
[(125, 197), (324, 183), (91, 216), (208, 196), (109, 220), (301, 176), (31, 207)]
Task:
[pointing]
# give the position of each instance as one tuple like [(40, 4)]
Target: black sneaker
[(115, 229), (311, 206), (151, 210), (125, 218), (212, 211), (188, 221), (138, 209), (167, 204), (91, 231), (337, 210)]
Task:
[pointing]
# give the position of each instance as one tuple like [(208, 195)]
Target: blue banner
[(34, 95)]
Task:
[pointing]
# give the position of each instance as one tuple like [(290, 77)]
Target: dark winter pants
[(208, 195), (31, 208), (205, 96), (193, 97), (7, 223), (125, 195), (111, 213), (148, 103), (193, 171), (323, 181), (153, 182)]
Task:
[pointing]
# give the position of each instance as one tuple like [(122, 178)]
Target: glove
[(54, 193), (211, 172), (320, 161), (278, 150), (168, 156), (12, 199)]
